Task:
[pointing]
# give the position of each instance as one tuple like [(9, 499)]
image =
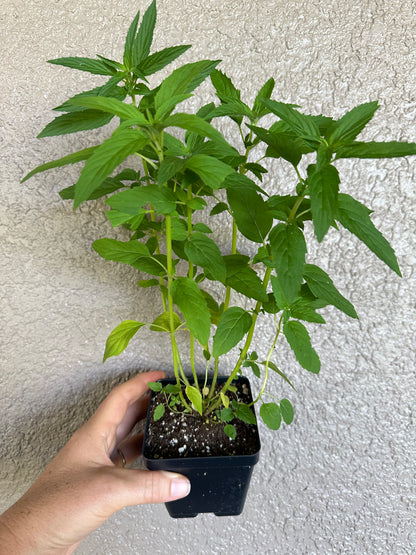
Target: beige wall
[(340, 479)]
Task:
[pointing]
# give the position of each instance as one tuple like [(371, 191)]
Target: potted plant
[(183, 174)]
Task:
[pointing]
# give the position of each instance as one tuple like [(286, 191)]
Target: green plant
[(177, 177)]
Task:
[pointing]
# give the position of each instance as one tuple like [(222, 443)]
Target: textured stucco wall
[(341, 478)]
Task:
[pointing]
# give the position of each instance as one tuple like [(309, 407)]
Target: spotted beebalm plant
[(181, 172)]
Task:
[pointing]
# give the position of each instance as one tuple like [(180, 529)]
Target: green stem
[(246, 347), (266, 371), (233, 251)]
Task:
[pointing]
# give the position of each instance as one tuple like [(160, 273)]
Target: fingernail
[(180, 487)]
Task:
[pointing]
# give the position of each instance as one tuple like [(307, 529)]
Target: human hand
[(87, 482)]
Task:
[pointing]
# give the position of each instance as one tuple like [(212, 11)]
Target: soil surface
[(181, 435)]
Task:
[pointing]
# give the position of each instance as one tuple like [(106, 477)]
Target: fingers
[(137, 487), (119, 411), (129, 449)]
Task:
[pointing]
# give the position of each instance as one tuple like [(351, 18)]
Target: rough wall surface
[(341, 478)]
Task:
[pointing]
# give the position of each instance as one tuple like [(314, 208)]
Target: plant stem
[(247, 344), (266, 367), (233, 251)]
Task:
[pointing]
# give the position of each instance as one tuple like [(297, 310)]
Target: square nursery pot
[(219, 481)]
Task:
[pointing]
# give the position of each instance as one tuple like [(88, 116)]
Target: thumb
[(137, 487)]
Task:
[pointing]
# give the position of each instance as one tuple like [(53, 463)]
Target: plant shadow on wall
[(184, 172)]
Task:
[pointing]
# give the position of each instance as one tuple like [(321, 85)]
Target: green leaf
[(259, 108), (249, 209), (120, 337), (197, 125), (392, 149), (155, 386), (288, 249), (166, 108), (323, 188), (158, 60), (233, 108), (105, 159), (191, 302), (271, 415), (73, 122), (278, 293), (218, 208), (272, 365), (244, 279), (355, 217), (213, 172), (113, 106), (301, 309), (322, 287), (280, 144), (143, 40), (128, 45), (244, 413), (234, 324), (96, 67), (108, 186), (226, 414), (303, 125), (351, 124), (79, 156), (131, 201), (224, 86), (194, 395), (286, 409), (298, 338), (204, 252), (184, 80), (133, 253), (109, 89), (159, 412), (230, 431), (162, 322), (148, 283)]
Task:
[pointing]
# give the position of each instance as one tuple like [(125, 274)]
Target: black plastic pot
[(219, 484)]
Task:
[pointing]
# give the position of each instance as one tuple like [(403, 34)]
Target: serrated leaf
[(141, 44), (128, 45), (322, 287), (162, 322), (280, 144), (159, 412), (147, 283), (230, 431), (288, 248), (271, 415), (234, 324), (286, 409), (351, 124), (184, 80), (133, 253), (120, 337), (79, 156), (298, 338), (218, 208), (303, 310), (244, 280), (191, 302), (226, 414), (303, 125), (355, 217), (259, 108), (323, 188), (391, 149), (272, 365), (211, 171), (105, 159), (131, 201), (204, 252), (73, 122), (158, 60), (224, 87), (108, 186), (244, 413), (113, 106), (249, 210), (155, 386), (96, 67), (194, 395)]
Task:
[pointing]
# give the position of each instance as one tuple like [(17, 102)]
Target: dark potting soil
[(180, 435)]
